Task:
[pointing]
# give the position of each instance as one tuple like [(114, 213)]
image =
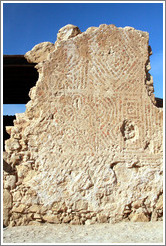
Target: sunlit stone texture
[(88, 148)]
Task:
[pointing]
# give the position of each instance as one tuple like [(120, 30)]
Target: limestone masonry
[(88, 148)]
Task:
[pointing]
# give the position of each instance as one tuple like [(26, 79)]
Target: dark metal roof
[(159, 102), (18, 77)]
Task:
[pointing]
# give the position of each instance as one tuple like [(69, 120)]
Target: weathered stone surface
[(51, 218), (35, 208), (67, 219), (102, 218), (157, 213), (139, 218), (90, 141), (8, 129), (12, 145), (7, 199), (37, 216), (40, 52), (67, 32), (75, 221), (20, 209), (81, 205), (7, 204), (10, 182), (6, 216), (159, 204)]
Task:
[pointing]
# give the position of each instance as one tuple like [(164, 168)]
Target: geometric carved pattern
[(97, 84), (92, 91)]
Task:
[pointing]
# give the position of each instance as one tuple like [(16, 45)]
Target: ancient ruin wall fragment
[(88, 148)]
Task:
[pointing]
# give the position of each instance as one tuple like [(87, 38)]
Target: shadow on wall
[(7, 121)]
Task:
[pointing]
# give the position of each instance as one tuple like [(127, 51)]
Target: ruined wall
[(88, 148)]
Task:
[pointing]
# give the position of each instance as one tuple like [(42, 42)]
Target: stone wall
[(88, 148)]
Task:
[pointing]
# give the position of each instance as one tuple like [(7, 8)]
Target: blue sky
[(27, 24)]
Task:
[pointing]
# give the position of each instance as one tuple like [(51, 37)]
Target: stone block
[(20, 209), (34, 208), (6, 217), (7, 199), (102, 218), (10, 182), (138, 217), (51, 219)]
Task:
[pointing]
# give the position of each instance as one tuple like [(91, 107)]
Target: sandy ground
[(125, 232)]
